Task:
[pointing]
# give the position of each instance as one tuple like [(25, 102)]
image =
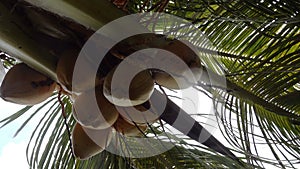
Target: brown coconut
[(99, 116), (127, 129), (65, 69), (140, 114), (140, 89), (26, 86), (87, 142), (189, 57)]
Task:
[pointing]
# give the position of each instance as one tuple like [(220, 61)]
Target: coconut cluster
[(95, 124), (114, 112), (129, 116)]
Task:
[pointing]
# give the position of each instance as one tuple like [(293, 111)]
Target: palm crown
[(256, 50)]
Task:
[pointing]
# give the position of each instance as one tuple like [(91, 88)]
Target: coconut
[(140, 114), (26, 86), (88, 142), (186, 75), (99, 114), (65, 70), (107, 64), (140, 89), (124, 127)]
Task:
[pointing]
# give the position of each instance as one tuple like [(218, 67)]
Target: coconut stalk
[(18, 44), (92, 14)]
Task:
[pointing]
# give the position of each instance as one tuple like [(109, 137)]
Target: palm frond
[(258, 49)]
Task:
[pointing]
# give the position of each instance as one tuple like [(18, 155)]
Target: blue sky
[(13, 147)]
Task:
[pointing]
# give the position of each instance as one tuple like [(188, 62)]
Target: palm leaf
[(264, 43)]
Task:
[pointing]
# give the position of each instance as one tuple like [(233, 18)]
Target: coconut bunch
[(102, 106), (26, 86), (98, 112), (96, 123)]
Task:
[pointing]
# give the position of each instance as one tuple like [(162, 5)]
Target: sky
[(13, 149)]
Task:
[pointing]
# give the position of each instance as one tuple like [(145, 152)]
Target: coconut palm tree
[(256, 51)]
